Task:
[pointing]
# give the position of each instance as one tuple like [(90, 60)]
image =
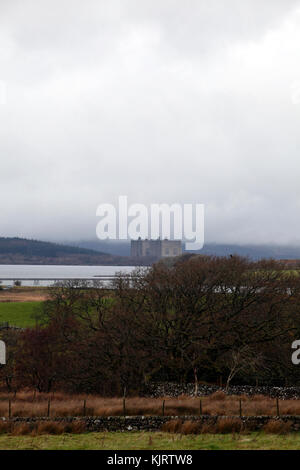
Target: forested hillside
[(23, 251)]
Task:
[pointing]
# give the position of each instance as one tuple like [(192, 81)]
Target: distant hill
[(23, 251), (115, 253), (254, 252), (122, 248), (114, 247)]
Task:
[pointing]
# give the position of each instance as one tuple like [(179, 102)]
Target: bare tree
[(242, 360)]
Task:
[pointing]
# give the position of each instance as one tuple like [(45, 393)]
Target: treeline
[(39, 248), (197, 320)]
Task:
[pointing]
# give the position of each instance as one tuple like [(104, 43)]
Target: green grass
[(152, 441), (18, 313)]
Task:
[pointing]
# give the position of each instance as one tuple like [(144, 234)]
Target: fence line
[(162, 407)]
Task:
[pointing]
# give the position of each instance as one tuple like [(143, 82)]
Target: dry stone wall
[(155, 423), (169, 389)]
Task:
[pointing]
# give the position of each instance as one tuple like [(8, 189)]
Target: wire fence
[(84, 410)]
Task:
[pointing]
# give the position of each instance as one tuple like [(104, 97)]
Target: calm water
[(56, 272)]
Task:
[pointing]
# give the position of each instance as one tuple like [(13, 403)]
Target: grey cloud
[(162, 101)]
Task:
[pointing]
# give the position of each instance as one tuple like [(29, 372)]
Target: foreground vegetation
[(151, 441)]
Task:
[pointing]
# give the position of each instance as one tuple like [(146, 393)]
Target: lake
[(34, 273)]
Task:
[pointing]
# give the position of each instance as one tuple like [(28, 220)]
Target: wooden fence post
[(163, 408), (240, 407), (200, 407), (48, 409), (124, 407), (84, 407)]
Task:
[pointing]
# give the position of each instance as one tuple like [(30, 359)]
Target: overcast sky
[(160, 100)]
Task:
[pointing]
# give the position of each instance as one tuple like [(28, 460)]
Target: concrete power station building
[(155, 248)]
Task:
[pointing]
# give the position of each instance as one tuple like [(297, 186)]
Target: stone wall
[(155, 423), (170, 389)]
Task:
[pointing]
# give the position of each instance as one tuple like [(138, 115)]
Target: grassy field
[(151, 441), (18, 313)]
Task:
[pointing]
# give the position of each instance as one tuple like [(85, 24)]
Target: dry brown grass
[(218, 396), (50, 427), (228, 426), (277, 427), (24, 294), (44, 427), (22, 429), (191, 427), (174, 425), (5, 427), (29, 404), (222, 426), (208, 428)]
